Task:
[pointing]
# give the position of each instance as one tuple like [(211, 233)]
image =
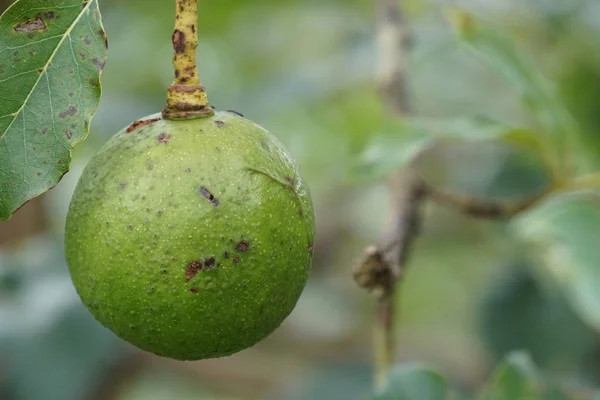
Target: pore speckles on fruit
[(193, 233)]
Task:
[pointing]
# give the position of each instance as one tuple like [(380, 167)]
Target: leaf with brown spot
[(42, 43)]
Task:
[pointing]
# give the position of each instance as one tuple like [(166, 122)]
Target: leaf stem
[(186, 97)]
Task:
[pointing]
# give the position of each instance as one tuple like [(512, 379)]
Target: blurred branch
[(383, 266), (29, 221)]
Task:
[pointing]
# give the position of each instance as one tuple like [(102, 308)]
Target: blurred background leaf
[(564, 233), (414, 382), (305, 70), (518, 378)]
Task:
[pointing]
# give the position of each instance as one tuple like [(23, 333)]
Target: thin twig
[(384, 265)]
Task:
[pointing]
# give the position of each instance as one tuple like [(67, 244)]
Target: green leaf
[(401, 141), (414, 382), (51, 57), (390, 150), (502, 55), (541, 320), (518, 378), (564, 233)]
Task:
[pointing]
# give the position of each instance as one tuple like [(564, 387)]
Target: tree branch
[(383, 266)]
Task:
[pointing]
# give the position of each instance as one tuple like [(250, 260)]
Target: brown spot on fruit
[(236, 259), (72, 110), (206, 193), (122, 185), (164, 138), (194, 290), (188, 170), (220, 123), (34, 25), (242, 246), (192, 269), (210, 263), (139, 123), (68, 134), (178, 41), (71, 94)]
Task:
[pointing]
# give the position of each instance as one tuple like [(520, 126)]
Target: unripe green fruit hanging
[(191, 239)]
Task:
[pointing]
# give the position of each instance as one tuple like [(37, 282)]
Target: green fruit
[(191, 239)]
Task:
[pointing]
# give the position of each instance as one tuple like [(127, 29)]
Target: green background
[(305, 70)]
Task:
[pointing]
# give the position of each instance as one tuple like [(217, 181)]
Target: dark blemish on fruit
[(140, 123), (72, 110), (39, 174), (99, 64), (68, 134), (236, 259), (192, 269), (44, 131), (225, 254), (210, 263), (188, 170), (178, 41), (236, 113), (206, 193), (220, 123), (192, 27), (164, 138), (35, 25), (242, 246), (122, 185), (194, 290), (71, 94)]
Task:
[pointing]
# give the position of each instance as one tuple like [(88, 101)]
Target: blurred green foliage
[(305, 70)]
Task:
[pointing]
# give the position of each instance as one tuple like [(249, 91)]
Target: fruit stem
[(186, 97)]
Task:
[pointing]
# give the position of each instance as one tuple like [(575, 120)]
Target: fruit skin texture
[(190, 239)]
